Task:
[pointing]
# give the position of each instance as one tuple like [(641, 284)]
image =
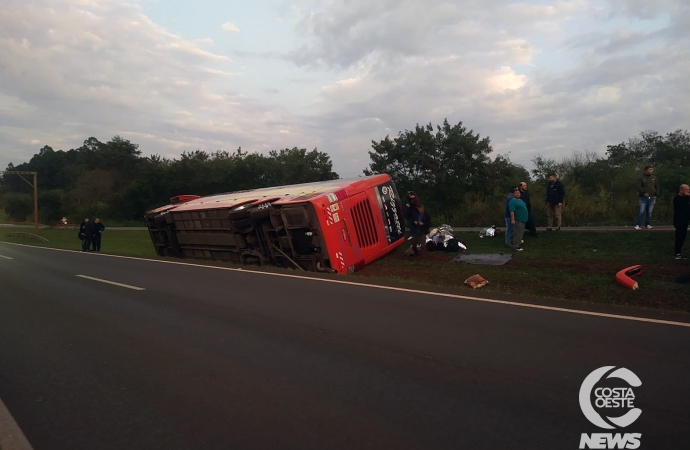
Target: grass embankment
[(577, 265), (115, 242)]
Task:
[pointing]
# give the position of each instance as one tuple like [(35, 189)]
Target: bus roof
[(281, 194)]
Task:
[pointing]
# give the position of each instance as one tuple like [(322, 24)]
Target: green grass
[(575, 265), (566, 265), (126, 243)]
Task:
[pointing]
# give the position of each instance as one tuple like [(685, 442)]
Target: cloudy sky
[(537, 77)]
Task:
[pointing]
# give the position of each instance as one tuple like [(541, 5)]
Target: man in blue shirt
[(506, 215), (518, 218)]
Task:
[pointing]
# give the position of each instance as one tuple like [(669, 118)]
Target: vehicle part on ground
[(623, 277), (335, 226), (443, 238), (476, 281), (488, 232)]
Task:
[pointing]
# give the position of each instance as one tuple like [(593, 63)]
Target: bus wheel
[(260, 213), (241, 225), (239, 213)]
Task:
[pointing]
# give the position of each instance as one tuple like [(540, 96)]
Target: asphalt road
[(204, 358)]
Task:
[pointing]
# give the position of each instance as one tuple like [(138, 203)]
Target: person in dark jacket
[(420, 228), (524, 196), (88, 236), (98, 228), (412, 204), (681, 218), (647, 190), (555, 194), (82, 234)]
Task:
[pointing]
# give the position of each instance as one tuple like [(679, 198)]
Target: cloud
[(230, 27), (536, 78), (104, 68)]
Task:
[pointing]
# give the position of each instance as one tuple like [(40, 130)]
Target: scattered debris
[(489, 231), (489, 259), (476, 281), (623, 277), (441, 238)]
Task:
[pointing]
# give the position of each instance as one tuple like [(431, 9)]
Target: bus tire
[(239, 213), (260, 213), (241, 225)]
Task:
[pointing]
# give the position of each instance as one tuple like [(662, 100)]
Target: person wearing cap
[(648, 190)]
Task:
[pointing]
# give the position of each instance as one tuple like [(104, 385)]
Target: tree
[(296, 165), (18, 206), (440, 166)]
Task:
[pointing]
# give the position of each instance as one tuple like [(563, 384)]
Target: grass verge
[(575, 265)]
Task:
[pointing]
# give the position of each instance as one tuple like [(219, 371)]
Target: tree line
[(449, 166), (113, 180)]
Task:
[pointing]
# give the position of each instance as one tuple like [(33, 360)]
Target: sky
[(536, 77)]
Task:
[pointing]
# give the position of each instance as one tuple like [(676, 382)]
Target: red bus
[(328, 226)]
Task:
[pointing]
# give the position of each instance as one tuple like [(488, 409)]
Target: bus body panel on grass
[(328, 226)]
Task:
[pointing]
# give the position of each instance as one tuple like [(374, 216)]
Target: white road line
[(11, 436), (112, 282), (390, 288), (6, 257)]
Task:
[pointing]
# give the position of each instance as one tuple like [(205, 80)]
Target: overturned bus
[(328, 226)]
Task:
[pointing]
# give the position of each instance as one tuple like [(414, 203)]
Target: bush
[(50, 206), (18, 206)]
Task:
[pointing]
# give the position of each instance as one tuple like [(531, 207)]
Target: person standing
[(420, 228), (412, 215), (555, 194), (82, 234), (518, 218), (648, 190), (98, 228), (506, 215), (681, 218), (524, 196), (88, 236)]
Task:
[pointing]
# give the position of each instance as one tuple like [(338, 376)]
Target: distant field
[(577, 265)]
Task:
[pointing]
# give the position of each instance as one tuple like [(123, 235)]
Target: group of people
[(519, 218), (90, 234), (518, 211), (648, 191)]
